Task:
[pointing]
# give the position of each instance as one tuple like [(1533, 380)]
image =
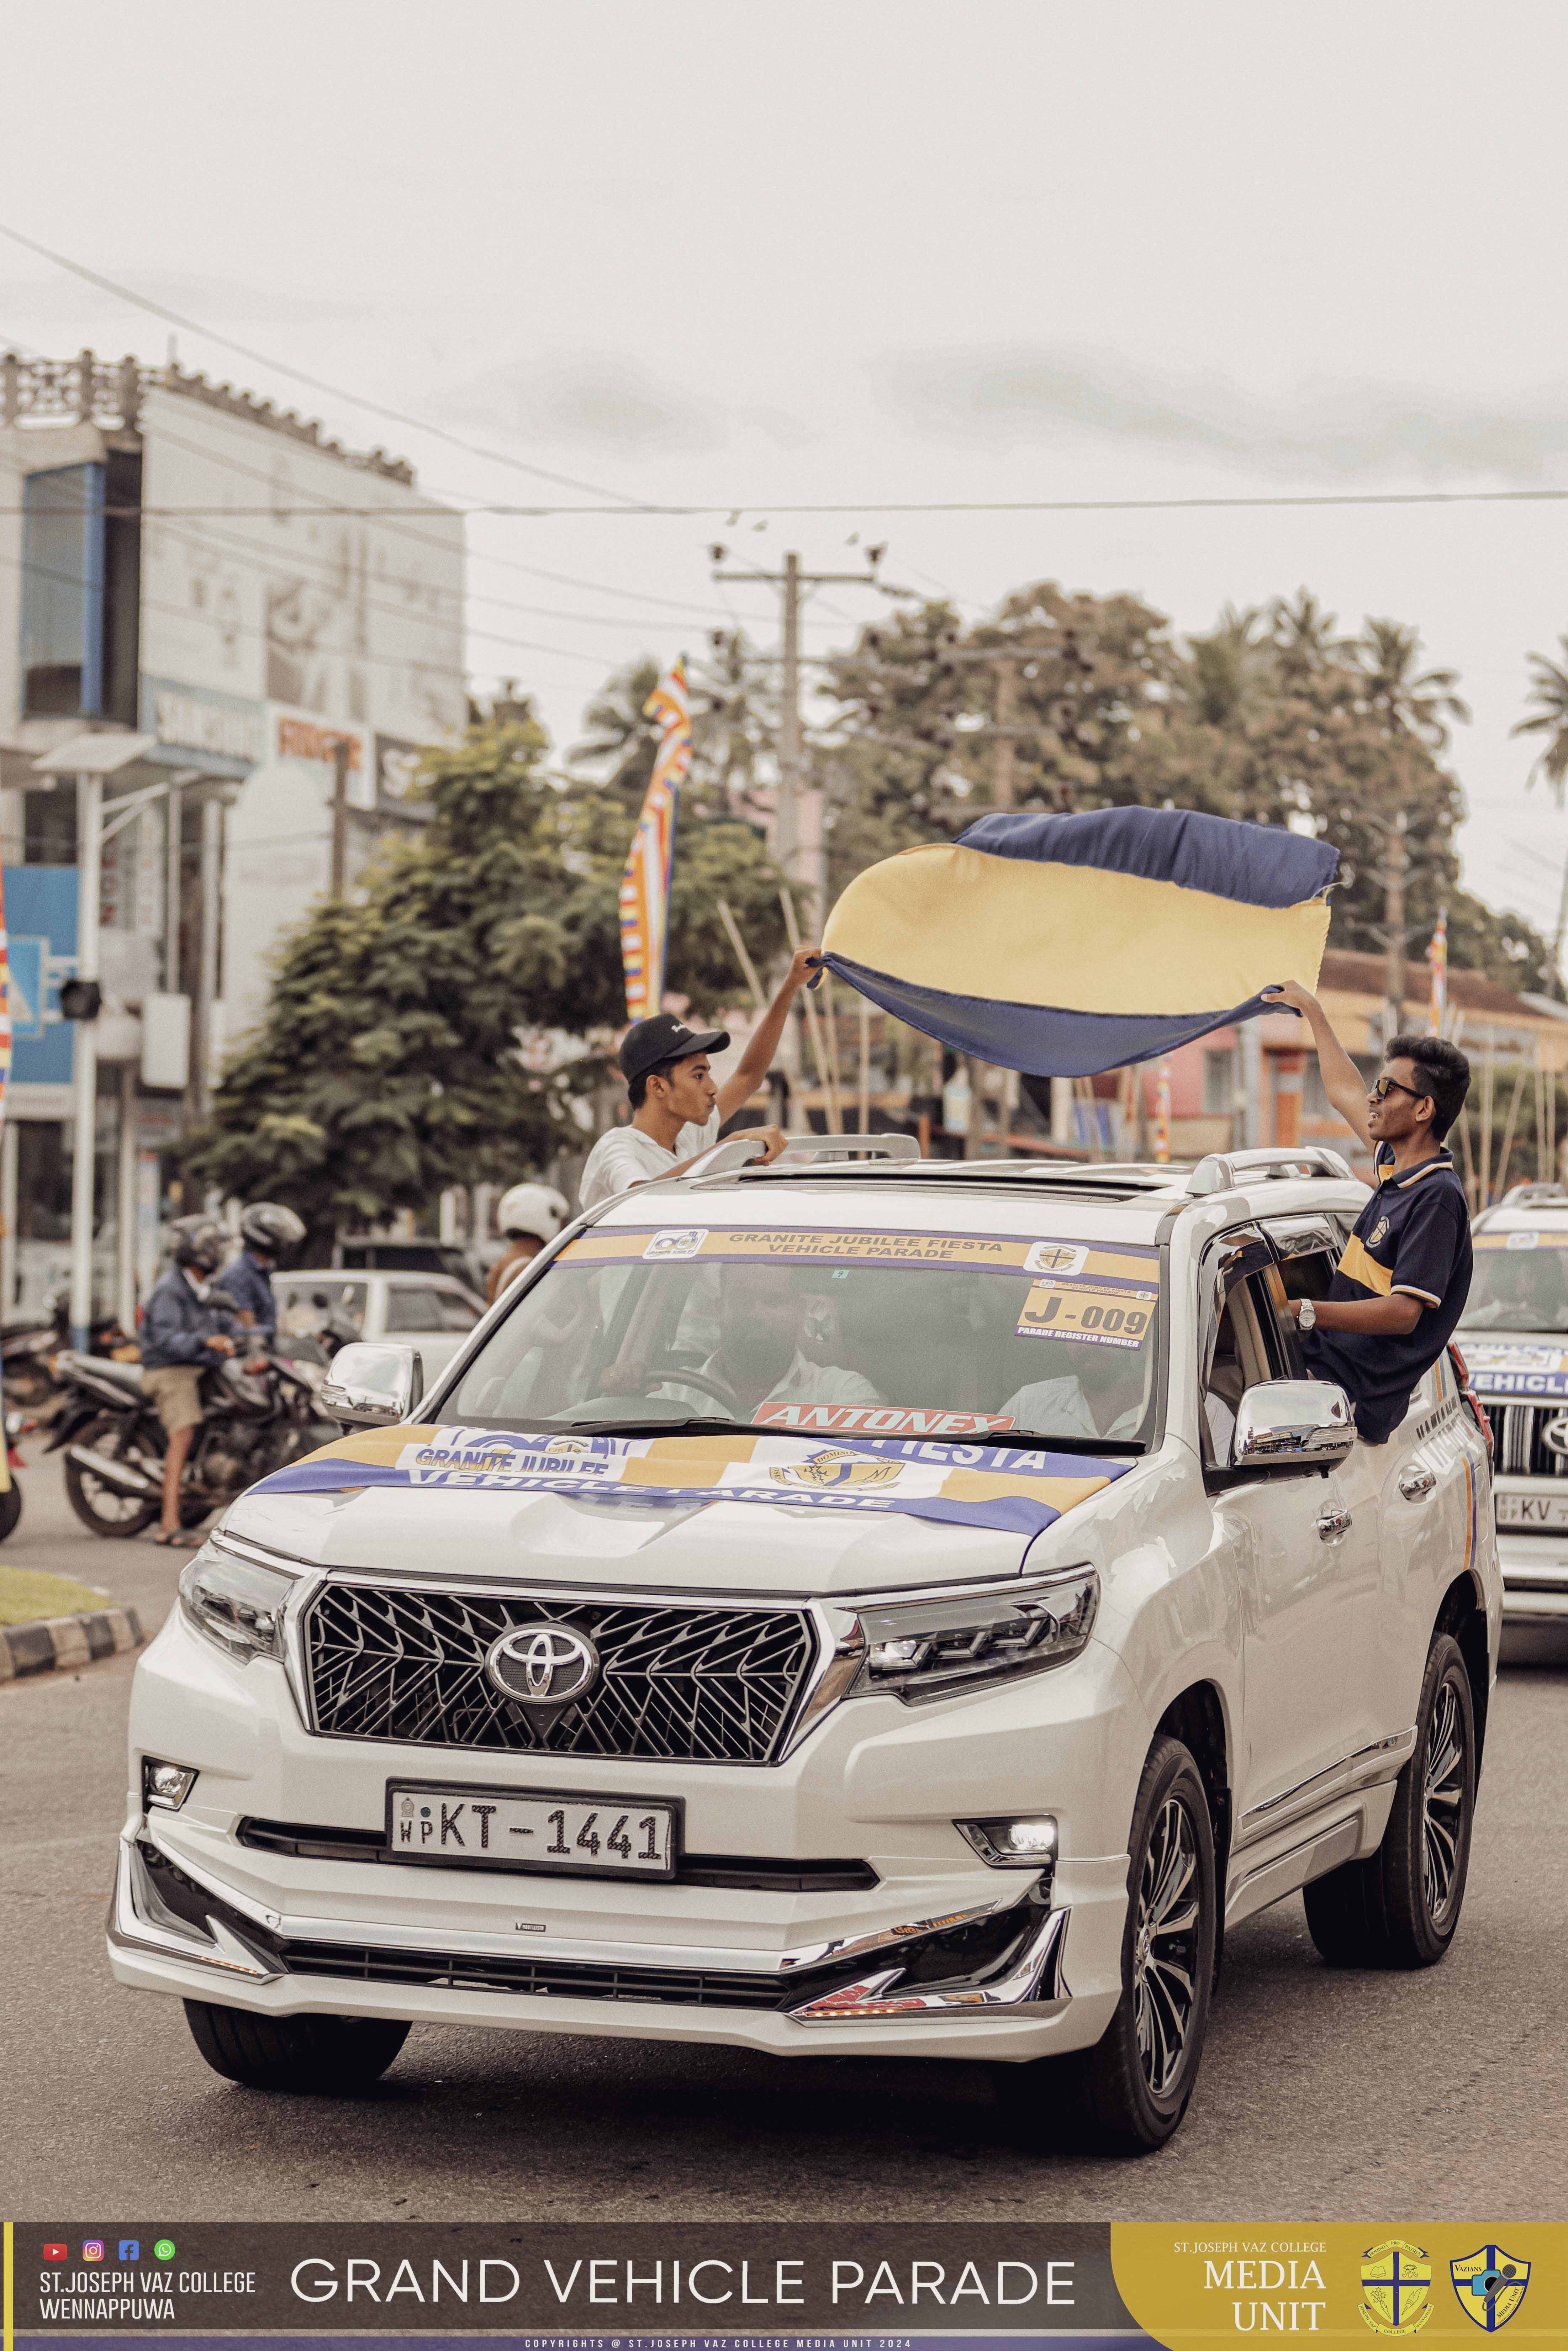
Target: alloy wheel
[(1442, 1802), (1165, 1943)]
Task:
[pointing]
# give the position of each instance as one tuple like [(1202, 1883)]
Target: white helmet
[(537, 1209)]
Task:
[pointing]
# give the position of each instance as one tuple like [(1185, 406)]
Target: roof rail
[(1525, 1196), (1228, 1171), (743, 1150)]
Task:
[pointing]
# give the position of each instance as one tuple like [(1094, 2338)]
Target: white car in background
[(429, 1312), (1514, 1337), (901, 1609)]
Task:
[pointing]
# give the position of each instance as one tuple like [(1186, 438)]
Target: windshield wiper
[(1069, 1443), (696, 1427)]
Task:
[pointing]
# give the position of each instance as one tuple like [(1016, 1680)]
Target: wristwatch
[(1306, 1319)]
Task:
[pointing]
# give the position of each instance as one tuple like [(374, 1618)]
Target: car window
[(1242, 1342), (932, 1334), (1520, 1282), (307, 1307), (412, 1307), (457, 1314)]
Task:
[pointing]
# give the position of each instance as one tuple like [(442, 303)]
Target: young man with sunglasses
[(1404, 1275)]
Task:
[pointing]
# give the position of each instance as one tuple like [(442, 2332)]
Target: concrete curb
[(57, 1643)]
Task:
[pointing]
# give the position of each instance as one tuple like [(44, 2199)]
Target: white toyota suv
[(1514, 1335), (890, 1607)]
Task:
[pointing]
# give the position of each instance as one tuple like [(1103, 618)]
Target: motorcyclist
[(182, 1330), (527, 1217), (266, 1231)]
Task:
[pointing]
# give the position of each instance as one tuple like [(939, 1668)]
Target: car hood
[(731, 1513)]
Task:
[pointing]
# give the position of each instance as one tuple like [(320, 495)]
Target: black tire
[(1399, 1908), (329, 2056), (10, 1508), (102, 1508), (1128, 2093)]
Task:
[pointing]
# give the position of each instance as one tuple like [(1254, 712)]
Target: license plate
[(1533, 1510), (499, 1828)]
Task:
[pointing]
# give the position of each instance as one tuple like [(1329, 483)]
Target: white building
[(251, 607)]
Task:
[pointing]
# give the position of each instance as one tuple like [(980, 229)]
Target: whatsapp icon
[(163, 2250)]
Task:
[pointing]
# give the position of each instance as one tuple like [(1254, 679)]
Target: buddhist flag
[(1066, 945), (4, 1014), (1437, 958), (645, 884)]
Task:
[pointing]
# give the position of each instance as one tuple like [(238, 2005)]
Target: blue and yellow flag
[(1066, 945)]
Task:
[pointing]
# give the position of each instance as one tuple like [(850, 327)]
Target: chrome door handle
[(1417, 1484), (1334, 1525)]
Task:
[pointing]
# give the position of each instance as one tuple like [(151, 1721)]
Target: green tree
[(1549, 718), (391, 1062)]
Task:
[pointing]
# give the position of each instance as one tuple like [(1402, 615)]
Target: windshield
[(952, 1335), (1520, 1283)]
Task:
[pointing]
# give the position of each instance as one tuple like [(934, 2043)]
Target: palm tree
[(1548, 717), (1416, 702), (621, 741)]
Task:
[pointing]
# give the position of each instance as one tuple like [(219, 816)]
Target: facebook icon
[(131, 2249)]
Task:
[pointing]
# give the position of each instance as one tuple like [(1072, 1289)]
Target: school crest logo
[(1379, 1232), (1490, 2285), (1396, 2288), (838, 1466)]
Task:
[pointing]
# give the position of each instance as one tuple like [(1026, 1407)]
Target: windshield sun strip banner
[(1531, 1239), (1009, 1488), (978, 1252)]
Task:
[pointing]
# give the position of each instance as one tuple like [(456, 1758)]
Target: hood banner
[(1014, 1490)]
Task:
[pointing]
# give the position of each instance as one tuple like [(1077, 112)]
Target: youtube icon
[(57, 2252)]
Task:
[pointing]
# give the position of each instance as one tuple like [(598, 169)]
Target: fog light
[(1026, 1843), (165, 1785)]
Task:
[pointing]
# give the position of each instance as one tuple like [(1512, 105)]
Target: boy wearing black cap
[(677, 1105)]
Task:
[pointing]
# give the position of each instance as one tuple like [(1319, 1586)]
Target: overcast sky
[(739, 252)]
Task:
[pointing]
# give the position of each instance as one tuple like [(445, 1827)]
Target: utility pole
[(89, 866), (1394, 872), (340, 816), (1005, 730), (800, 836)]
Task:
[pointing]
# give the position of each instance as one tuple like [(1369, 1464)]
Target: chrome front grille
[(1519, 1440), (688, 1684)]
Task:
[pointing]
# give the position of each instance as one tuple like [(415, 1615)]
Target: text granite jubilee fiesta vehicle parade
[(888, 1607)]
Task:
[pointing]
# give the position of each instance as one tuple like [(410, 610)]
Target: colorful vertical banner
[(1161, 1113), (4, 1012), (645, 884), (1438, 959)]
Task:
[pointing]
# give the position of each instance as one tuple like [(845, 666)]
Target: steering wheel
[(710, 1386)]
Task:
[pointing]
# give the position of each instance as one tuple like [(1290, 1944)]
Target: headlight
[(932, 1649), (235, 1602)]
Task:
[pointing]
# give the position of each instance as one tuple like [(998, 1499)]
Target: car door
[(1357, 1594), (1280, 1528)]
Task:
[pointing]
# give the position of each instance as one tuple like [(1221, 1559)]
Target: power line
[(317, 383)]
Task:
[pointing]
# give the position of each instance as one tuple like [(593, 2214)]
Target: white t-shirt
[(626, 1156), (1059, 1408)]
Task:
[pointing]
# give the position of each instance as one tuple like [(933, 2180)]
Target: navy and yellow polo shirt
[(1413, 1235)]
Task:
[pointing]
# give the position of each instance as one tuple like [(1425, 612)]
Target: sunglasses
[(1386, 1086)]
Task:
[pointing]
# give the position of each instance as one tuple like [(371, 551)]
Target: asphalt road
[(1323, 2096)]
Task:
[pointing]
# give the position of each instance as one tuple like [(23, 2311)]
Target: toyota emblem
[(542, 1665), (1556, 1435)]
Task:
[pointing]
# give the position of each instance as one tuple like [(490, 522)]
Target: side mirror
[(372, 1385), (1292, 1425)]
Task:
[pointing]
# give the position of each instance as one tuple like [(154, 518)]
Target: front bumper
[(927, 1951), (1535, 1562)]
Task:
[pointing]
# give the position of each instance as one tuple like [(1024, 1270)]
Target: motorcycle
[(31, 1343), (258, 1413)]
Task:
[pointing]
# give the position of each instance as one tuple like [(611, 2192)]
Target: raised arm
[(1343, 1082), (757, 1058)]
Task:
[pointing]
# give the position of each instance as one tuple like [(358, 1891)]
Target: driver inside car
[(1526, 1292), (1101, 1396), (766, 1313)]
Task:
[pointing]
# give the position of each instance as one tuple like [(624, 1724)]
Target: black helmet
[(197, 1240), (270, 1228)]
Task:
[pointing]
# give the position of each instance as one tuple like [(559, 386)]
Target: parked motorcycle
[(258, 1413), (30, 1343)]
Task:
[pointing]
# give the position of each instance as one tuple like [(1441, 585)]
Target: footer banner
[(784, 2286)]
